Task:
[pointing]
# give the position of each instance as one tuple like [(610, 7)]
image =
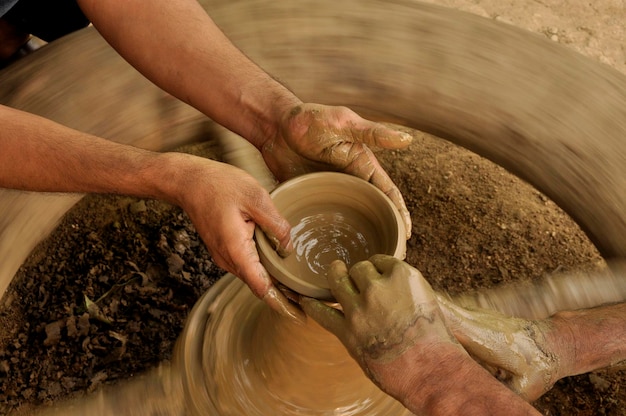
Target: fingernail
[(285, 251), (405, 137), (278, 302), (408, 223), (337, 269), (282, 251)]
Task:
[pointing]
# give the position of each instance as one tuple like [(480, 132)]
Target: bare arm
[(40, 155), (178, 46), (589, 339), (444, 380)]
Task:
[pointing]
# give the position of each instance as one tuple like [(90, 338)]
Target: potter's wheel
[(236, 357)]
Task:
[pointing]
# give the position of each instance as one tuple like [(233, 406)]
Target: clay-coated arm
[(392, 325)]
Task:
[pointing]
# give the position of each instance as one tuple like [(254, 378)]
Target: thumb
[(378, 135), (274, 225)]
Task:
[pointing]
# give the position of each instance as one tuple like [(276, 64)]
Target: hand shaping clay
[(334, 216)]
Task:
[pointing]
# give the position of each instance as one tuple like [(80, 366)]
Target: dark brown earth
[(105, 297)]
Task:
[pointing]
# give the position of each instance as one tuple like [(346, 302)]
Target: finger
[(398, 201), (395, 268), (385, 264), (376, 134), (365, 166), (277, 229), (362, 274), (341, 286), (276, 300), (248, 267), (329, 318), (404, 278), (380, 179)]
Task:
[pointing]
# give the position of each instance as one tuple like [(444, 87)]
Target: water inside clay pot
[(334, 216)]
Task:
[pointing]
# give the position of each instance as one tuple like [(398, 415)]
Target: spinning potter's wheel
[(236, 356)]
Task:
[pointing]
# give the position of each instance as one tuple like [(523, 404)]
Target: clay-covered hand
[(225, 204), (388, 310), (514, 350), (315, 137)]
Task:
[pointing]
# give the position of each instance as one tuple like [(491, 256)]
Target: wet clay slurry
[(322, 237)]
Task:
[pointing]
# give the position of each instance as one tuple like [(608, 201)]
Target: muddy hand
[(512, 349), (315, 137), (388, 308), (225, 205)]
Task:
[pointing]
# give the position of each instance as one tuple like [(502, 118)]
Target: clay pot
[(333, 216)]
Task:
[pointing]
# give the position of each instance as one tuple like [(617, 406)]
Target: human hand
[(514, 350), (389, 315), (393, 326), (315, 137), (225, 204)]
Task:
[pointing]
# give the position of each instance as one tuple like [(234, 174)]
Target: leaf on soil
[(95, 312)]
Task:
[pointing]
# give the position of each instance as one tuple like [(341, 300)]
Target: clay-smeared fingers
[(404, 277), (396, 197), (385, 264), (379, 135), (274, 225), (248, 267), (513, 348), (362, 274), (329, 318), (341, 286), (276, 300), (363, 164)]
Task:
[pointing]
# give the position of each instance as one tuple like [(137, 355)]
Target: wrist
[(267, 119), (418, 374), (167, 176), (588, 339), (442, 379)]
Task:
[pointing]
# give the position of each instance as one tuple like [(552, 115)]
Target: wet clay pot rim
[(320, 190)]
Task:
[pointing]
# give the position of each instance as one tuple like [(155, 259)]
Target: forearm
[(447, 381), (37, 154), (177, 46), (589, 339)]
